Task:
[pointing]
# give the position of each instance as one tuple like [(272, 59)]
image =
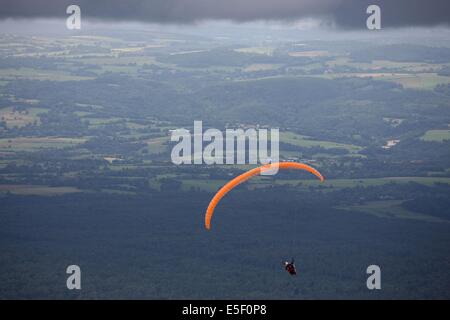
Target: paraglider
[(249, 174)]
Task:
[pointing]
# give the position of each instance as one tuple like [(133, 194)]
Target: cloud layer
[(342, 13)]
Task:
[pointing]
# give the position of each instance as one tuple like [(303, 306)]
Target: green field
[(204, 185), (308, 142), (417, 80), (39, 190), (37, 74), (94, 122), (390, 209), (260, 67), (156, 145), (436, 135), (36, 143), (257, 50)]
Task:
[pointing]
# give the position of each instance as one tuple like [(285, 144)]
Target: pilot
[(290, 267)]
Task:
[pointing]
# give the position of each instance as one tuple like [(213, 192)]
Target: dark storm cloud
[(344, 13)]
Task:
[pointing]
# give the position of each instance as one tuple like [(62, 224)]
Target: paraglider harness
[(290, 267)]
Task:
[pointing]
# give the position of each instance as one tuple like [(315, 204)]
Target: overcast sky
[(340, 13)]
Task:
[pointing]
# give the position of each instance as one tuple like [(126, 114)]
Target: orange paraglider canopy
[(249, 174)]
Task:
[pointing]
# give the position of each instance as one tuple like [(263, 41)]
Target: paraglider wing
[(249, 174)]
